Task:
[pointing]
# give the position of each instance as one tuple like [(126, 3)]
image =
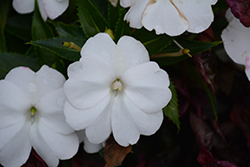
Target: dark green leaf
[(41, 30), (101, 6), (91, 19), (4, 8), (11, 60), (194, 47), (122, 28), (68, 30), (54, 45), (154, 43), (113, 15), (19, 26), (171, 110), (165, 61)]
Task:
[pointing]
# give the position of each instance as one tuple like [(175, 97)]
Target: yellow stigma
[(117, 85), (33, 110)]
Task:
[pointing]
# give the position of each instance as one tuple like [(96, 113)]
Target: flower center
[(117, 85), (33, 111)]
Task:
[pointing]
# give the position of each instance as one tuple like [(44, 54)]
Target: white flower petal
[(247, 65), (21, 77), (131, 52), (90, 147), (147, 123), (15, 145), (134, 14), (100, 129), (198, 13), (23, 6), (100, 46), (55, 8), (80, 134), (48, 79), (52, 146), (80, 119), (236, 39), (147, 87), (42, 10), (50, 109), (124, 128), (163, 16), (89, 82), (13, 104)]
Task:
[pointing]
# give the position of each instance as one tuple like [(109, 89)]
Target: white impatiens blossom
[(172, 17), (114, 88), (87, 145), (236, 39), (48, 8), (31, 115)]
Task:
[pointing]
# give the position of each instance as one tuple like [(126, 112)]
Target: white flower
[(114, 88), (48, 8), (31, 115), (172, 17), (87, 145), (236, 39)]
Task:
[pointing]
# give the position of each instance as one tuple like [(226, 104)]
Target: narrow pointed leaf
[(4, 8), (121, 28), (11, 60), (171, 110), (41, 30), (113, 15), (91, 19), (19, 26), (154, 43), (195, 47), (55, 46), (68, 30)]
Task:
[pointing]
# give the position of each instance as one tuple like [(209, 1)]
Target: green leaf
[(91, 19), (41, 30), (101, 6), (154, 43), (122, 28), (68, 30), (113, 15), (19, 26), (194, 47), (4, 8), (171, 110), (12, 60), (55, 46)]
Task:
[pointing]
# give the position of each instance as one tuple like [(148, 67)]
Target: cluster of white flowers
[(112, 89), (236, 39)]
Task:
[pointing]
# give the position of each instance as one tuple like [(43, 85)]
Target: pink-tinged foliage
[(204, 135), (241, 10), (206, 64), (206, 159)]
